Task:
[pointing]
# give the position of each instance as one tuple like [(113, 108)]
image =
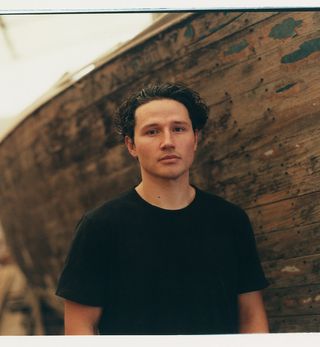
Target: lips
[(168, 157)]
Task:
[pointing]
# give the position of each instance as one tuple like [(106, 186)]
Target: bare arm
[(80, 319), (252, 315)]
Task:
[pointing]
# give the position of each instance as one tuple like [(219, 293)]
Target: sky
[(37, 50)]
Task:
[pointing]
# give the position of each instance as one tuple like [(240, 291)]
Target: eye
[(151, 132), (179, 129)]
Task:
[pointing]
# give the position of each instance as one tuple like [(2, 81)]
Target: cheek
[(144, 151), (192, 146)]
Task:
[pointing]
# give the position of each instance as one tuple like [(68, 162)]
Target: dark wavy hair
[(197, 109)]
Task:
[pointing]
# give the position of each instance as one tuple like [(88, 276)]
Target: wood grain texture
[(293, 242), (295, 324), (293, 301)]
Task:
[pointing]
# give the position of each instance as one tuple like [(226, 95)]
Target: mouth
[(169, 157)]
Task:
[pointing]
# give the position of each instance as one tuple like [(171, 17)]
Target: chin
[(173, 175), (168, 173)]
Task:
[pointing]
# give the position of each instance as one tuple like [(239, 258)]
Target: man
[(165, 257)]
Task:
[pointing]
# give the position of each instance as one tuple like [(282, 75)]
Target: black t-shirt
[(158, 271)]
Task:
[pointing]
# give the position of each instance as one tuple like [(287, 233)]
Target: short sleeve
[(250, 273), (82, 279)]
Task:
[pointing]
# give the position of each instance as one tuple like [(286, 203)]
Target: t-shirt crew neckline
[(164, 210)]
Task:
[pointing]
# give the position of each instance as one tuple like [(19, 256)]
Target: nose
[(167, 141)]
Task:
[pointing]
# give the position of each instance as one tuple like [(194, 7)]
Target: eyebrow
[(157, 124), (181, 122)]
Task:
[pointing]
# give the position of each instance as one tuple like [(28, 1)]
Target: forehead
[(160, 111)]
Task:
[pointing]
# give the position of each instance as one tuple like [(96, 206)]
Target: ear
[(196, 138), (131, 146)]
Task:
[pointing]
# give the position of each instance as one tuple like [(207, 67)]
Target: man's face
[(164, 140)]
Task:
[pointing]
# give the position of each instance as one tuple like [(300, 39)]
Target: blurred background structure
[(38, 50), (259, 73), (39, 54)]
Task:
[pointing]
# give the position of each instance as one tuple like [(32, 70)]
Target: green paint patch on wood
[(189, 33), (304, 51), (285, 29), (237, 47), (286, 87)]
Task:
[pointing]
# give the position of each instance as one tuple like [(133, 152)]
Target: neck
[(167, 194)]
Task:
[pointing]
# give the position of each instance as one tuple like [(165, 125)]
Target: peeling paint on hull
[(237, 47), (304, 51), (285, 29), (189, 33), (286, 87)]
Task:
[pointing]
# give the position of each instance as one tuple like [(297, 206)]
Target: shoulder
[(222, 206), (100, 222), (112, 209), (227, 216)]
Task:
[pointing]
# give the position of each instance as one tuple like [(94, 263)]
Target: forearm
[(79, 328), (81, 319), (253, 324), (252, 314)]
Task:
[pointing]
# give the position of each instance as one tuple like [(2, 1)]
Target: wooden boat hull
[(259, 73)]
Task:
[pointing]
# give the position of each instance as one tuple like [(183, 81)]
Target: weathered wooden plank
[(240, 76), (252, 71), (175, 44), (295, 324), (291, 243), (279, 165), (293, 272), (304, 300), (284, 214), (245, 110), (213, 28)]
